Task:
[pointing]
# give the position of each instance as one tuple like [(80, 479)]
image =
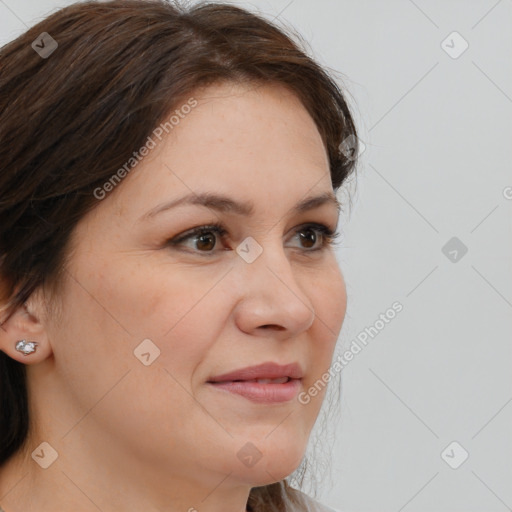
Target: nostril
[(272, 326)]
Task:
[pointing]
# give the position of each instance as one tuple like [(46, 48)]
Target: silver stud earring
[(26, 347)]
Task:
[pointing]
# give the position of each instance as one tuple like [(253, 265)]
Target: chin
[(272, 473), (271, 463)]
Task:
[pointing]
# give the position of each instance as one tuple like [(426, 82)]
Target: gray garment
[(308, 504)]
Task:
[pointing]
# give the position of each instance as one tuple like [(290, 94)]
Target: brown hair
[(70, 120)]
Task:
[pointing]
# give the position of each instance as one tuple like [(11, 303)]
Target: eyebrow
[(225, 204)]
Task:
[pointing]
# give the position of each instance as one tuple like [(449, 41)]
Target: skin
[(158, 438)]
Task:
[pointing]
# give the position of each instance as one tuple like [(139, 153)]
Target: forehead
[(252, 140)]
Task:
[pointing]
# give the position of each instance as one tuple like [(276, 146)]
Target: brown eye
[(200, 240), (316, 234), (309, 238), (204, 238), (205, 241)]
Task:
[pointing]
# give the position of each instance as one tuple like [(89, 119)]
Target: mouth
[(266, 383), (280, 380)]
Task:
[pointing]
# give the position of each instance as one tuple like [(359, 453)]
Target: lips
[(266, 373), (265, 384)]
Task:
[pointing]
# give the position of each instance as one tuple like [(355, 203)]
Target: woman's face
[(209, 305)]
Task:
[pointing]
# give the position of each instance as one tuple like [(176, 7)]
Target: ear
[(26, 323)]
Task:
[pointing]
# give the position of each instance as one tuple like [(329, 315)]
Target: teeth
[(281, 380)]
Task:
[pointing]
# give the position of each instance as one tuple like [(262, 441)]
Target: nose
[(272, 298)]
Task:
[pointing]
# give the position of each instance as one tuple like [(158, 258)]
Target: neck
[(65, 486)]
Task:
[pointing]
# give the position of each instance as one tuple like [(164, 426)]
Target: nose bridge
[(270, 285), (264, 259)]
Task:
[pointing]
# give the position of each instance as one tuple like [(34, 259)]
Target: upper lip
[(268, 370)]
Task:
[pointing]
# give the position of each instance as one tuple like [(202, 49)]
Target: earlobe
[(26, 347), (25, 351), (23, 337)]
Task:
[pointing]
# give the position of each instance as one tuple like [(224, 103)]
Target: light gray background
[(437, 164)]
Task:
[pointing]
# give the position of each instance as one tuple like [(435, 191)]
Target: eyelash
[(328, 235)]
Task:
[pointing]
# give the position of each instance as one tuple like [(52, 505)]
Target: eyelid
[(216, 227), (329, 235)]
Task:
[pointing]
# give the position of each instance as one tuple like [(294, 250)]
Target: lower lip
[(261, 393)]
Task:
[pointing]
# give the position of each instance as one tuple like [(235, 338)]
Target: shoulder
[(308, 504)]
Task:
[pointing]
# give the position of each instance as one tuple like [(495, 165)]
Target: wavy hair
[(70, 121)]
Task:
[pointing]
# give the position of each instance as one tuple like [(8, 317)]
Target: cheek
[(111, 308), (105, 324), (183, 313), (155, 300), (329, 298)]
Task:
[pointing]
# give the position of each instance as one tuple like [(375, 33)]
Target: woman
[(170, 293)]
